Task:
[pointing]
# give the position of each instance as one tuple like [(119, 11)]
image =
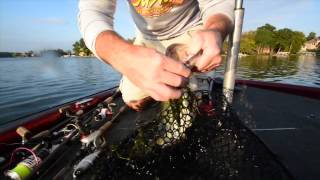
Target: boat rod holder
[(233, 53), (24, 133)]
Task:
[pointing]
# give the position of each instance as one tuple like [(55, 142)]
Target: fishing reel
[(95, 139), (103, 111)]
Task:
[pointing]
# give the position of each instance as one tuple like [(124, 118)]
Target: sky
[(50, 24)]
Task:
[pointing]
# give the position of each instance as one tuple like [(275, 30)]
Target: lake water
[(29, 85)]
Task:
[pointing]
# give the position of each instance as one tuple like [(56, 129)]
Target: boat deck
[(288, 124)]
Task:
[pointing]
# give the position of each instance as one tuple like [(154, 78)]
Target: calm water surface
[(29, 85)]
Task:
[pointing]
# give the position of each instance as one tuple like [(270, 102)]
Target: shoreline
[(305, 54)]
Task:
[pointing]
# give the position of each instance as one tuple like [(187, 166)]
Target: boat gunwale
[(43, 119), (306, 91)]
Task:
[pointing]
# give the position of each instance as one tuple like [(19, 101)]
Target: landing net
[(214, 145)]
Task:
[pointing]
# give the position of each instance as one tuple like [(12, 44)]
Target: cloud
[(50, 21)]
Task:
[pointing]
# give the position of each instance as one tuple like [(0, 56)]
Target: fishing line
[(14, 144), (25, 149)]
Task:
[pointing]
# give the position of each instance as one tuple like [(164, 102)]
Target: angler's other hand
[(210, 42)]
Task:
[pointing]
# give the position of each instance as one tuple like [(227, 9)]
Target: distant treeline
[(80, 48), (264, 40), (16, 54), (53, 52), (268, 40), (7, 54)]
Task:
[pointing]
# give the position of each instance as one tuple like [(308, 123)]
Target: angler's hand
[(210, 42), (156, 74)]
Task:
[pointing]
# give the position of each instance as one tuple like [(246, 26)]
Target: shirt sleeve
[(94, 17), (212, 7)]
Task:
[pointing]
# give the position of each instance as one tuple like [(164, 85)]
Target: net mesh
[(214, 144), (175, 118)]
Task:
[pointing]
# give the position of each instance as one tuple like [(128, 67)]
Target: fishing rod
[(25, 168), (106, 107), (233, 53), (50, 160), (79, 119), (56, 139), (40, 159), (96, 135), (48, 132)]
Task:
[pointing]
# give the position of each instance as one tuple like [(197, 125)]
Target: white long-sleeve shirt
[(155, 19)]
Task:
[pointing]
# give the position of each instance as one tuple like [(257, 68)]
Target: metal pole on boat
[(233, 52)]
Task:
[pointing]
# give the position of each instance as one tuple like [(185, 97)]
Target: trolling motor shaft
[(233, 53)]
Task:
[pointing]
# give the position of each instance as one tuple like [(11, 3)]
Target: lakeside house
[(311, 45), (85, 54)]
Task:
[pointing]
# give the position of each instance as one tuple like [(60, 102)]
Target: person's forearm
[(220, 23), (112, 49)]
